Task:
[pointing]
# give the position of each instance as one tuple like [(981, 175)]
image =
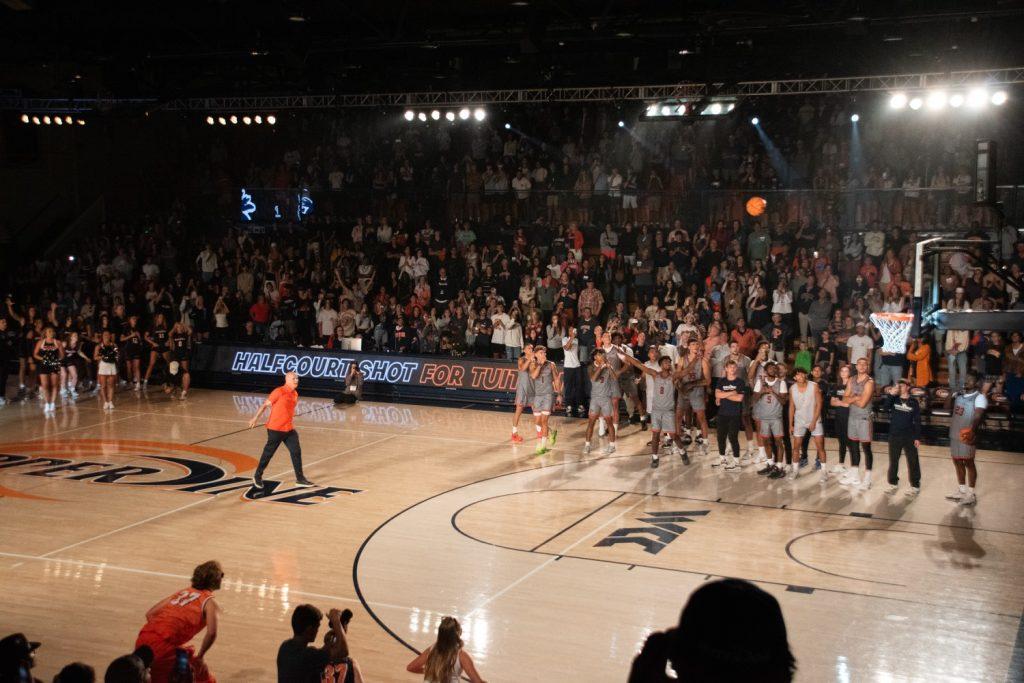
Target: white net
[(895, 328)]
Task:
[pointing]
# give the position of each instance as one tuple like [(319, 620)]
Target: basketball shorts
[(542, 403), (523, 397), (769, 427), (627, 386), (859, 428), (663, 421), (600, 406), (799, 429), (698, 399), (960, 450)]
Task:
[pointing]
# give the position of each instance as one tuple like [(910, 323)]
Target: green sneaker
[(552, 437), (541, 450)]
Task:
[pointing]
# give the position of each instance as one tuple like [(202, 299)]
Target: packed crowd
[(575, 163), (162, 653)]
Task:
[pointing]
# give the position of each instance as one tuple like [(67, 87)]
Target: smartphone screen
[(181, 662)]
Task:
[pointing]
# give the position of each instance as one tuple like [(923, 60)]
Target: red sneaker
[(516, 438)]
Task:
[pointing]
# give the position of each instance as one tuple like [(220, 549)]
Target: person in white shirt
[(326, 320), (500, 322), (860, 345), (782, 299), (207, 261), (572, 373)]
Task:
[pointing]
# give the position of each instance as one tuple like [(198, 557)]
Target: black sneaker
[(257, 481), (644, 423), (777, 473), (685, 457), (304, 483), (767, 469), (803, 461), (568, 411), (634, 419)]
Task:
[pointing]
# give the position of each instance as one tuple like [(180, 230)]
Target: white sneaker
[(760, 460), (609, 449), (745, 458), (731, 465), (136, 386), (912, 492), (851, 479), (956, 495), (823, 479), (891, 489), (838, 469), (792, 472), (968, 499), (721, 462), (183, 396), (586, 447), (63, 391), (865, 483), (602, 429)]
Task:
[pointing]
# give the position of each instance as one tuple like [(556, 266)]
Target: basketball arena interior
[(511, 340)]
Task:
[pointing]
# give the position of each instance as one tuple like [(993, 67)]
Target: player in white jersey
[(603, 379), (769, 393), (805, 407), (662, 402), (968, 411), (524, 390)]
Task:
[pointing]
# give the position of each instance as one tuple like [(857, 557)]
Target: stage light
[(652, 110), (449, 116), (25, 118), (755, 121), (977, 98), (46, 120), (80, 122), (622, 124), (410, 115), (715, 109), (58, 120), (209, 120), (258, 119), (463, 114), (999, 97), (855, 118), (682, 109), (898, 100), (915, 103), (67, 120), (222, 121), (35, 120), (271, 120), (421, 116), (937, 100), (233, 120), (71, 258), (956, 100), (247, 120), (732, 105), (508, 126), (666, 110), (479, 114)]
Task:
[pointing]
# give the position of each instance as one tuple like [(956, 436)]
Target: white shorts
[(106, 369), (629, 201), (800, 429)]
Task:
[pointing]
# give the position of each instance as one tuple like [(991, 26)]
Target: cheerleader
[(49, 356), (73, 361), (131, 341), (157, 338), (105, 355)]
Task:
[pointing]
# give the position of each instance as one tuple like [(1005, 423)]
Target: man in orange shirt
[(175, 620), (280, 429)]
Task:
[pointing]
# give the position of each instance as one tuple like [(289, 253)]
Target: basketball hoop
[(895, 327)]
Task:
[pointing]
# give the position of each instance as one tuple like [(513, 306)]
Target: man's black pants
[(291, 442), (573, 378), (729, 428), (898, 443)]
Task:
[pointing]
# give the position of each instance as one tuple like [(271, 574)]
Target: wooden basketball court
[(558, 566)]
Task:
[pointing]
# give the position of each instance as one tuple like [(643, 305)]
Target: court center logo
[(128, 462), (664, 528)]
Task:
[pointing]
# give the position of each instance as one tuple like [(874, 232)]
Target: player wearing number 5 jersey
[(175, 620)]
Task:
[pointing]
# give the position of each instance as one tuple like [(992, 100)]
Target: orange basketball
[(756, 206)]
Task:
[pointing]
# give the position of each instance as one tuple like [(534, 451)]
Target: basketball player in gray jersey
[(968, 411), (546, 383), (805, 406), (692, 376), (769, 393), (603, 380), (663, 402), (859, 393), (524, 390)]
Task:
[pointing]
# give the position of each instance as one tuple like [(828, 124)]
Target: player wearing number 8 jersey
[(175, 620)]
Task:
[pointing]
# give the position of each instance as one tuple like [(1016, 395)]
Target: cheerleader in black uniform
[(74, 363), (131, 344), (49, 356), (157, 338), (105, 356)]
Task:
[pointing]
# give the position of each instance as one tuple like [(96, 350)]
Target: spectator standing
[(297, 660)]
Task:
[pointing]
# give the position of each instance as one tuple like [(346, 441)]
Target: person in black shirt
[(130, 337), (297, 662), (181, 344), (157, 338), (730, 391), (904, 435), (404, 337), (8, 353)]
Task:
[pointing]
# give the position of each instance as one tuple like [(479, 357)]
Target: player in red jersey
[(175, 620)]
